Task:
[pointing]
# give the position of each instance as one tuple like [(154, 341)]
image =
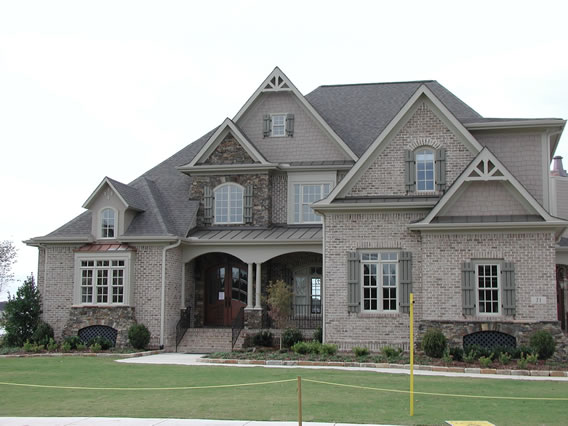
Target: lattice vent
[(88, 333), (490, 339)]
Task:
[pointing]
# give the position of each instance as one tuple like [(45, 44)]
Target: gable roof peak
[(129, 195)]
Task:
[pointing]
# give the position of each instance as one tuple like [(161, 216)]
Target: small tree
[(22, 314), (279, 300), (7, 259)]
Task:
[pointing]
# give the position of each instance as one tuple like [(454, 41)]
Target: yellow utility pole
[(411, 354)]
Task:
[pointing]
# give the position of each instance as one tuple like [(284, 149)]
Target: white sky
[(110, 88)]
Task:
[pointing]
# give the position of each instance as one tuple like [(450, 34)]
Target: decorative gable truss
[(485, 173)]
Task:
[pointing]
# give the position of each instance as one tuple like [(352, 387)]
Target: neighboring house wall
[(521, 153), (532, 253), (262, 199), (385, 175), (560, 184), (366, 231), (485, 198), (279, 190), (310, 141)]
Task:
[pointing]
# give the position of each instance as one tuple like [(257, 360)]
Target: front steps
[(208, 340)]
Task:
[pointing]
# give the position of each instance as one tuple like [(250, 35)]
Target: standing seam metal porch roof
[(280, 234)]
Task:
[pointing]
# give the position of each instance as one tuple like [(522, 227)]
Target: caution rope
[(435, 393)]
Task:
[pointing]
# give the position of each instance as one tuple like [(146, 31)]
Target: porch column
[(258, 271), (249, 287)]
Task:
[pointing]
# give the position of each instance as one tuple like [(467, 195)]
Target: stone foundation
[(253, 318), (456, 330), (117, 317)]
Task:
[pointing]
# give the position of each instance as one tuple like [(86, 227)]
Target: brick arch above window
[(423, 143)]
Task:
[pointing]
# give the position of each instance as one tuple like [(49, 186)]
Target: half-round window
[(108, 223), (229, 203), (425, 169)]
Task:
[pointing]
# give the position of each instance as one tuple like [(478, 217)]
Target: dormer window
[(108, 223), (425, 170), (229, 203)]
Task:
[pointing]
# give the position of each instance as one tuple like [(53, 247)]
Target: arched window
[(425, 169), (229, 203), (108, 223)]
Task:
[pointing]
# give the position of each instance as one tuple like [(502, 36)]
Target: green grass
[(266, 402)]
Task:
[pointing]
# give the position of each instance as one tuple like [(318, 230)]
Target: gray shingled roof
[(130, 194), (360, 112)]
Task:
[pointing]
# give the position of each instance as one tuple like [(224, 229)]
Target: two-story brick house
[(356, 195)]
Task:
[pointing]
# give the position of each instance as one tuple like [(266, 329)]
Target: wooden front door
[(226, 293)]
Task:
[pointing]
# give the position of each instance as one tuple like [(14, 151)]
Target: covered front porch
[(225, 282)]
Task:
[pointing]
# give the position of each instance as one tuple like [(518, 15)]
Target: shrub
[(279, 300), (52, 345), (329, 349), (81, 346), (263, 338), (446, 356), (22, 314), (318, 335), (479, 351), (291, 336), (532, 358), (390, 353), (543, 344), (32, 347), (301, 348), (103, 342), (138, 336), (66, 347), (360, 351), (95, 347), (470, 356), (42, 334), (434, 343), (504, 358), (485, 361), (456, 353), (314, 347), (522, 362), (72, 342)]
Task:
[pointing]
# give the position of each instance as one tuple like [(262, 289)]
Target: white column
[(258, 271), (249, 287)]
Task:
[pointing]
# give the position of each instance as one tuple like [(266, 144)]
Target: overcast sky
[(94, 89)]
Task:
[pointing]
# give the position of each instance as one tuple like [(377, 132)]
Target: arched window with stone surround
[(229, 203)]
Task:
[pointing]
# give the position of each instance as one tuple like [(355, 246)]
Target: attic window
[(108, 223), (278, 125)]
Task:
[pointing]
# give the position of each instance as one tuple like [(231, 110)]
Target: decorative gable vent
[(486, 170), (275, 84)]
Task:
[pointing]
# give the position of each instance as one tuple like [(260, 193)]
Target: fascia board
[(233, 168), (489, 226), (330, 167), (34, 242), (520, 124), (149, 238), (277, 72), (95, 194), (373, 206)]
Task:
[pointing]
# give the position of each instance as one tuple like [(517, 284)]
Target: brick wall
[(485, 198), (173, 295), (385, 175), (310, 142)]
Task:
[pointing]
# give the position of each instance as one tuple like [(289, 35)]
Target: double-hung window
[(488, 288), (102, 281), (229, 203), (380, 281), (304, 196), (108, 223), (278, 125), (425, 170)]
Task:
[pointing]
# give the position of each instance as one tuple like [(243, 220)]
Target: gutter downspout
[(43, 294), (163, 294)]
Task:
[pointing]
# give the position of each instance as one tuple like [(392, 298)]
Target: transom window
[(229, 204), (380, 281), (488, 288), (425, 170), (102, 281), (108, 223), (278, 125), (304, 196)]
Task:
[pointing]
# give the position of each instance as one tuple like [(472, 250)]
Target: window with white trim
[(488, 287), (304, 196), (229, 203), (380, 281), (102, 281), (108, 223), (425, 169), (278, 125)]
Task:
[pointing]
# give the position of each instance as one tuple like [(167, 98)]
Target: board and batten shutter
[(508, 294), (266, 125), (353, 282), (207, 205), (409, 171), (290, 125), (248, 204), (405, 264), (468, 288), (441, 169)]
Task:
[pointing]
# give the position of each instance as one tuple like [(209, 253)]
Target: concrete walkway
[(193, 359), (121, 421)]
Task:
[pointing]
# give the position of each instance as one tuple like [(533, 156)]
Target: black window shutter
[(441, 169), (248, 201), (353, 282), (409, 171), (207, 205), (405, 263), (468, 288), (508, 285), (266, 127), (290, 125)]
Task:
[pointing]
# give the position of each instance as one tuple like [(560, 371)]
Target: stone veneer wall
[(350, 232), (262, 199), (385, 175), (279, 190), (229, 151)]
